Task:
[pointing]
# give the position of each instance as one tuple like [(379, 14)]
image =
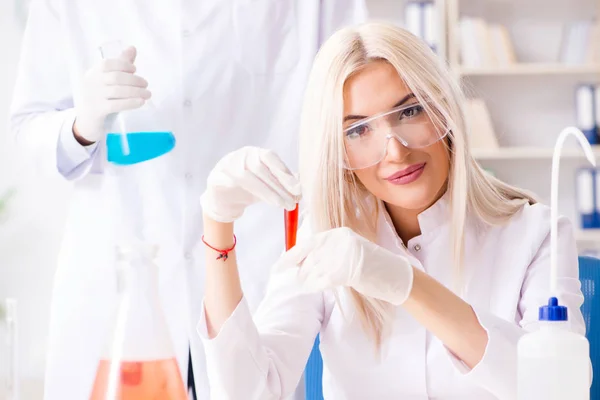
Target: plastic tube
[(12, 342), (589, 154)]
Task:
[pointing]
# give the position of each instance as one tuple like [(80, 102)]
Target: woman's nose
[(395, 150)]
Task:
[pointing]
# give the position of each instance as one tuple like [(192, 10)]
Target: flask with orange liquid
[(138, 361)]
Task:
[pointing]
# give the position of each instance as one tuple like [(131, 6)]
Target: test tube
[(110, 50), (12, 376), (291, 227)]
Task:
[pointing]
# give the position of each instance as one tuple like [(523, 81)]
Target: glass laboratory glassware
[(138, 183), (291, 227), (137, 135), (9, 388), (138, 361)]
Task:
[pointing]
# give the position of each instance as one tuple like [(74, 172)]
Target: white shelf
[(531, 69), (528, 153), (588, 236)]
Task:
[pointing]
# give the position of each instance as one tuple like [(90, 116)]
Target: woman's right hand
[(247, 176)]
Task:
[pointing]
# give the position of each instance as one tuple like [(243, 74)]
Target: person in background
[(226, 74), (419, 271)]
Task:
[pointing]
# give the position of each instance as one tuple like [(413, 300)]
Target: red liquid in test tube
[(291, 227)]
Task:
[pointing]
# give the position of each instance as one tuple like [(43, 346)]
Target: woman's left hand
[(341, 257)]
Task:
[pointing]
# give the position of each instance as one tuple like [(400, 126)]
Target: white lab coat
[(507, 280), (228, 74)]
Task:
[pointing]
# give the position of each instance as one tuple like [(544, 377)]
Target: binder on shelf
[(596, 198), (420, 20), (469, 52), (480, 127), (585, 187), (430, 27), (485, 45), (596, 112), (501, 45), (593, 48), (412, 18), (586, 110), (577, 45), (482, 39)]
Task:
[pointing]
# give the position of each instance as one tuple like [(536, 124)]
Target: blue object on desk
[(313, 374), (589, 275)]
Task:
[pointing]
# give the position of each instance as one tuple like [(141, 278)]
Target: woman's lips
[(407, 175)]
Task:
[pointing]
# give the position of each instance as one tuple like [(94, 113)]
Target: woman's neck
[(405, 221)]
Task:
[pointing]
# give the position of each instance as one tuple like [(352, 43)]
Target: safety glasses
[(366, 141)]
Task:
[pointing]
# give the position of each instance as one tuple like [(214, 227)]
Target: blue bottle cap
[(553, 311)]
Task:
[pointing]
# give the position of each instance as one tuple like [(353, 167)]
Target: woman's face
[(408, 178)]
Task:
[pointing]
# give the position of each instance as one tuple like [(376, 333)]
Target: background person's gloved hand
[(247, 176), (342, 258), (109, 87)]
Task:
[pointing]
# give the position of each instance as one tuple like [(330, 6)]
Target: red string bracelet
[(223, 254)]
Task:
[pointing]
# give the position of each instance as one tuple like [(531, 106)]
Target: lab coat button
[(185, 33), (188, 176), (187, 103), (188, 256), (417, 247)]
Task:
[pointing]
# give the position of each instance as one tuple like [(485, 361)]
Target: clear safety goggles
[(366, 141)]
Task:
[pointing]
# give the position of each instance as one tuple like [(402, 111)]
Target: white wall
[(30, 236)]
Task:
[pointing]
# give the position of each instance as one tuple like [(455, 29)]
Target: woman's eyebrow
[(398, 104), (404, 100)]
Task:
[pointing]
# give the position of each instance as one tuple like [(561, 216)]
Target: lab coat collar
[(436, 216)]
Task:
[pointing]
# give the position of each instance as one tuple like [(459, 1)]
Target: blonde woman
[(419, 271)]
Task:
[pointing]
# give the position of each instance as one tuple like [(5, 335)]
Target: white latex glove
[(342, 258), (247, 176), (109, 87)]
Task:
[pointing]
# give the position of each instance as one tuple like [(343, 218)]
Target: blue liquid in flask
[(143, 146)]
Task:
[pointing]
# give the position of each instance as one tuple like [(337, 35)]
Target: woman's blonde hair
[(336, 199)]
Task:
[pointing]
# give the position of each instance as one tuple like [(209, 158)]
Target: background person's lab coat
[(228, 74)]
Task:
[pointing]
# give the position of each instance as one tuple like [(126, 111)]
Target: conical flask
[(138, 361), (138, 182), (136, 135)]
